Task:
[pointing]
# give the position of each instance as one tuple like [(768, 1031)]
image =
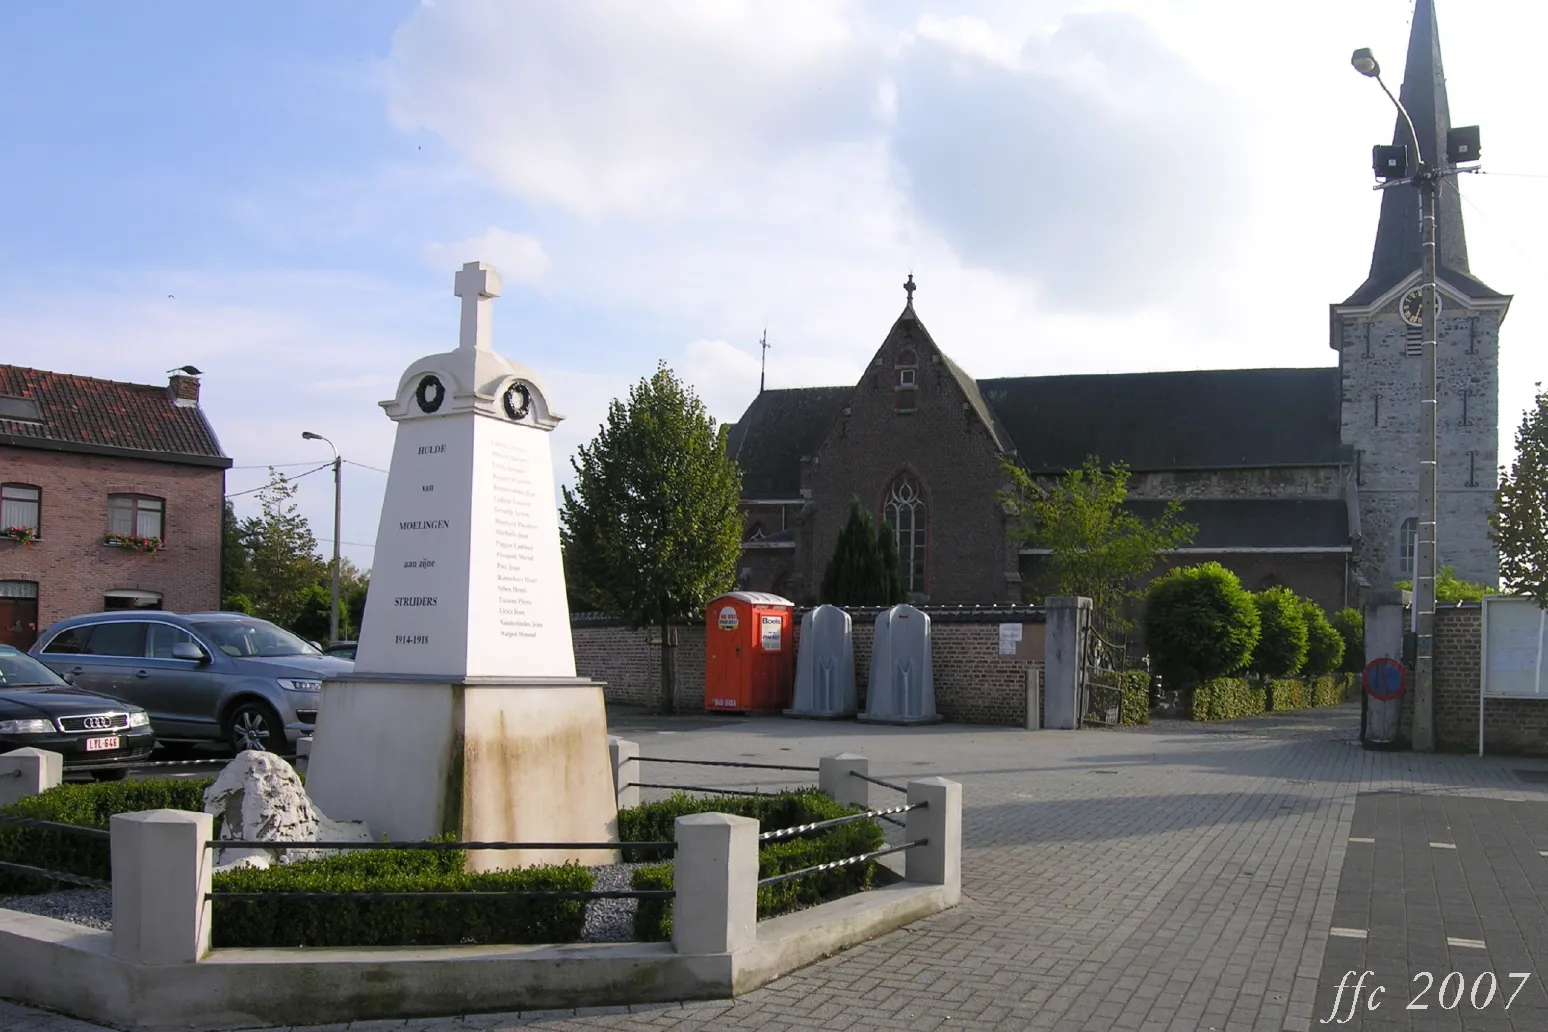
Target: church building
[(1301, 477)]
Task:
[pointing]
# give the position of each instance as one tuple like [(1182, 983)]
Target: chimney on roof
[(183, 386)]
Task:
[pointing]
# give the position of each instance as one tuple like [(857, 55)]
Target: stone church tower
[(1378, 339)]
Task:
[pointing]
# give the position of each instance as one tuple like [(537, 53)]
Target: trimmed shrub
[(653, 822), (87, 806), (1200, 624), (1324, 645), (1329, 689), (1281, 647), (1350, 624), (1136, 696), (1286, 694), (397, 922), (1227, 698)]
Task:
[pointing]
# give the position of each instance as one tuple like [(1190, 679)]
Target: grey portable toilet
[(825, 666), (902, 686)]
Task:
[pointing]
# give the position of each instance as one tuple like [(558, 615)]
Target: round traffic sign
[(1384, 679)]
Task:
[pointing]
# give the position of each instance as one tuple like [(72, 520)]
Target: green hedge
[(88, 806), (1136, 696), (396, 922), (1332, 689), (653, 822), (1286, 694), (1227, 698)]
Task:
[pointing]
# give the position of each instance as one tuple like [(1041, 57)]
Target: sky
[(279, 194)]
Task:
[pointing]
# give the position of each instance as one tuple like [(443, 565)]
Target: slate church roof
[(1396, 255), (62, 412), (778, 429)]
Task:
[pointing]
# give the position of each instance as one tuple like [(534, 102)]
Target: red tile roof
[(81, 413)]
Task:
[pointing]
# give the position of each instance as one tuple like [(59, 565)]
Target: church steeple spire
[(1396, 255)]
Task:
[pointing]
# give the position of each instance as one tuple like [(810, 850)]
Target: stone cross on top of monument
[(478, 285)]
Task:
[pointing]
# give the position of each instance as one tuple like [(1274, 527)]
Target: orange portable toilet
[(749, 657)]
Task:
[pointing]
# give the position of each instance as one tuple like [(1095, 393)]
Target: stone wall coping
[(942, 614)]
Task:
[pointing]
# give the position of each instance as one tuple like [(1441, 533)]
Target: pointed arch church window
[(905, 512), (1408, 545)]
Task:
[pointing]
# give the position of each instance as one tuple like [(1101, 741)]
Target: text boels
[(415, 600)]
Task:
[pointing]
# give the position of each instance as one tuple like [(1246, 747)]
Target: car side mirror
[(188, 650)]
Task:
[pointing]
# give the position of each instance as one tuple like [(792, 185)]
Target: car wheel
[(110, 775), (255, 726)]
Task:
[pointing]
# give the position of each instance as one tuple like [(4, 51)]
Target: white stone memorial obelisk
[(463, 715)]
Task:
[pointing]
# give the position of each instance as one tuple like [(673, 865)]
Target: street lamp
[(1461, 146), (338, 510)]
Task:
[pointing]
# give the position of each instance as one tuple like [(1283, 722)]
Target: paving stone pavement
[(1177, 878)]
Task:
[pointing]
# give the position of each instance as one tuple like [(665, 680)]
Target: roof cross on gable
[(478, 285)]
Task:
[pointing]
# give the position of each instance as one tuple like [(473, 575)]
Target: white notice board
[(1515, 649)]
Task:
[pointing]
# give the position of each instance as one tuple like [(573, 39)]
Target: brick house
[(111, 496), (1301, 477)]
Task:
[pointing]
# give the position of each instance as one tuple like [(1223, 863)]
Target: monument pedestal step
[(483, 759)]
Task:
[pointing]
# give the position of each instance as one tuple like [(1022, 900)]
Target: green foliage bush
[(863, 570), (87, 806), (1200, 623), (1136, 696), (397, 922), (1330, 689), (1350, 624), (1227, 698), (1324, 645), (653, 822), (1286, 694), (1281, 647)]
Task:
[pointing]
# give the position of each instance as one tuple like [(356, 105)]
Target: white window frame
[(907, 514), (12, 493), (1408, 546)]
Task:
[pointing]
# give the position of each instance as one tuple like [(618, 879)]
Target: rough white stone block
[(715, 874), (939, 823), (28, 772), (625, 756), (836, 780), (161, 875), (260, 798)]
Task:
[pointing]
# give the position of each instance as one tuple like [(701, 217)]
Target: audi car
[(92, 732)]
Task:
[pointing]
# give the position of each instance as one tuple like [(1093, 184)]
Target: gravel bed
[(90, 907), (607, 920), (611, 920)]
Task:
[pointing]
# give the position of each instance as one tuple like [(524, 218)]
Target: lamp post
[(1427, 179), (338, 511)]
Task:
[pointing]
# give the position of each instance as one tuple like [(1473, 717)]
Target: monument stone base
[(483, 760)]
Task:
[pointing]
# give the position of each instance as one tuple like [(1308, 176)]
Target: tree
[(1519, 525), (1350, 625), (311, 620), (283, 560), (1097, 547), (235, 561), (1324, 645), (1281, 647), (1199, 623), (1449, 589), (652, 526), (863, 570)]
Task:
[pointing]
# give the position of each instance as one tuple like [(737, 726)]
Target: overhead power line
[(298, 476)]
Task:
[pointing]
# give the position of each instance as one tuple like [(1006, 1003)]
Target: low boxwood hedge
[(1227, 698), (87, 806), (1136, 696), (1286, 694), (397, 922), (1330, 689), (653, 822)]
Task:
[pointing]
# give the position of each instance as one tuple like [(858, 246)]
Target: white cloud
[(520, 257)]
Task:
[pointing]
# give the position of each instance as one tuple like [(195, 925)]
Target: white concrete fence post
[(939, 862), (836, 780), (625, 756), (162, 865), (28, 772), (715, 874)]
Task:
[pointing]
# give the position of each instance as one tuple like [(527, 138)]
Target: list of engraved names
[(516, 533)]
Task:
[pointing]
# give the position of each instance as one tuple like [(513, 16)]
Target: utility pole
[(1397, 168), (338, 513)]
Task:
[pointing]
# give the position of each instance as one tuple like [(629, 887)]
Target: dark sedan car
[(38, 709)]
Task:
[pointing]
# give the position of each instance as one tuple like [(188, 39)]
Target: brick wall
[(72, 566), (974, 684), (1510, 725)]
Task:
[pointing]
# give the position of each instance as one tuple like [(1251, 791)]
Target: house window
[(905, 513), (135, 515), (20, 506), (907, 366), (1408, 545)]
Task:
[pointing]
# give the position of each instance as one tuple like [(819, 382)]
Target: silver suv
[(201, 676)]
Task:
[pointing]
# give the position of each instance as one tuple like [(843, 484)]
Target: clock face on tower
[(1413, 307)]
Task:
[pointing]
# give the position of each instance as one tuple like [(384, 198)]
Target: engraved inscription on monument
[(516, 536)]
